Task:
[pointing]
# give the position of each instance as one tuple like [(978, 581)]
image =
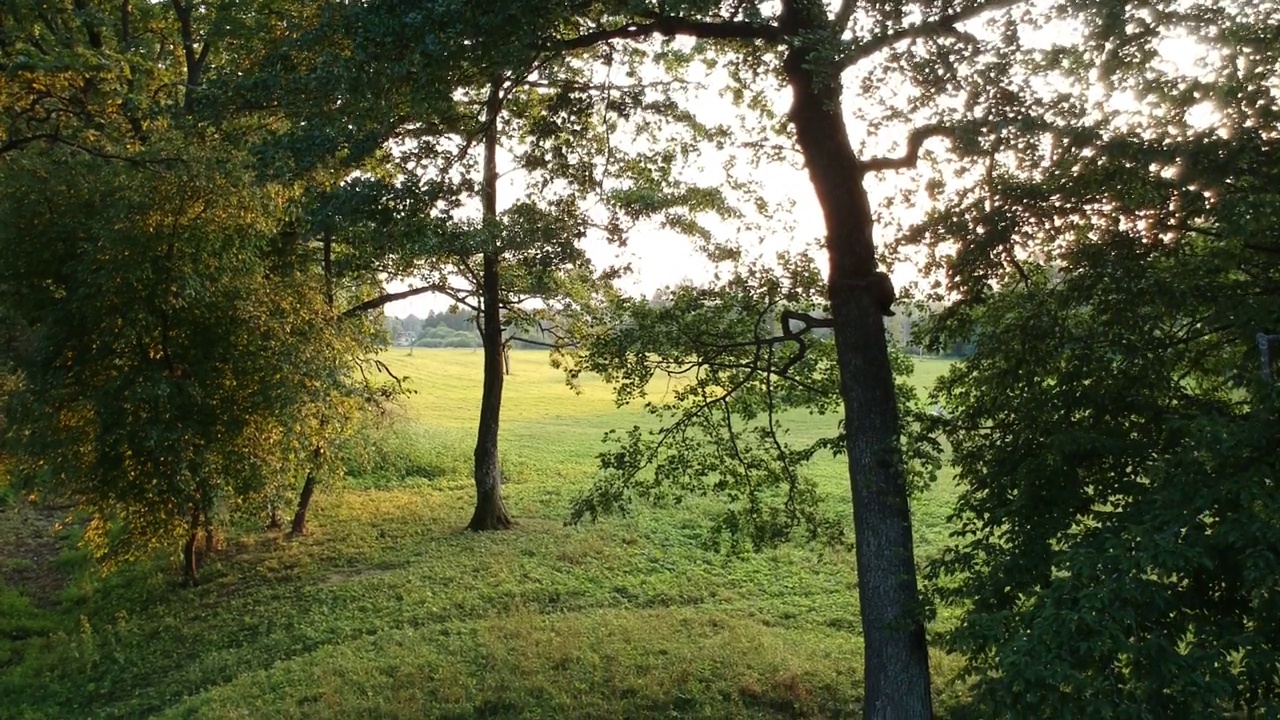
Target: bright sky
[(659, 257)]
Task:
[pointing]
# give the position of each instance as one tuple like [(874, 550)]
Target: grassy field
[(389, 609)]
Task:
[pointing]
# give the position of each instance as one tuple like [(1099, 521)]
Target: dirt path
[(29, 549)]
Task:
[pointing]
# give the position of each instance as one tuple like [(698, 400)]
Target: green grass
[(389, 609)]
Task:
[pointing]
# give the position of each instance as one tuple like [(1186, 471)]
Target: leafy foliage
[(179, 356), (732, 360), (1112, 431), (159, 380)]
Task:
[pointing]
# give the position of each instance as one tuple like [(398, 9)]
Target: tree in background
[(1116, 255)]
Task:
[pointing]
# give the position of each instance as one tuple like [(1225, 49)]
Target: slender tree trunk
[(895, 656), (210, 539), (299, 526), (490, 513), (189, 564)]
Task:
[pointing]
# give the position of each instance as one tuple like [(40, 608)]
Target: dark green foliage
[(159, 380), (1114, 554), (1121, 474)]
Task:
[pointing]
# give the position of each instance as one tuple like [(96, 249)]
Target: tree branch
[(90, 30), (843, 15), (15, 143), (669, 26), (943, 25), (538, 343), (915, 140), (809, 322), (143, 162), (386, 298)]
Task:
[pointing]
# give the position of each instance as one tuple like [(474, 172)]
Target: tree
[(157, 389), (147, 267), (948, 66), (809, 47), (1113, 434), (407, 215), (491, 266)]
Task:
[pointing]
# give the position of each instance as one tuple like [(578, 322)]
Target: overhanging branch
[(915, 140), (669, 26), (844, 14), (939, 26), (387, 298)]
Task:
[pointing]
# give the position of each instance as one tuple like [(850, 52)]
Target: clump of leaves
[(1112, 431), (734, 360), (178, 366)]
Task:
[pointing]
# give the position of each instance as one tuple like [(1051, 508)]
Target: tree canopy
[(203, 205)]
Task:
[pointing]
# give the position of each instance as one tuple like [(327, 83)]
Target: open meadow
[(389, 609)]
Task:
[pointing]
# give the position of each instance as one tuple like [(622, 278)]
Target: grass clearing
[(389, 609)]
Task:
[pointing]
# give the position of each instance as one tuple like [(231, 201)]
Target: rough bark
[(895, 656), (490, 513)]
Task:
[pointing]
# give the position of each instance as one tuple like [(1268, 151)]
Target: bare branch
[(915, 140), (539, 343), (383, 368), (595, 87), (809, 322), (943, 25)]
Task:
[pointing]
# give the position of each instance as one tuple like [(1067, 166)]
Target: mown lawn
[(389, 609)]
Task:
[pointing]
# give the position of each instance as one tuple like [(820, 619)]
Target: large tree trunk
[(896, 655), (490, 513)]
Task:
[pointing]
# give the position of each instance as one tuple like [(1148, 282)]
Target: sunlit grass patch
[(390, 609), (605, 663)]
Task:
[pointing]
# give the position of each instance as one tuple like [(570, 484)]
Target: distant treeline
[(458, 330), (438, 330)]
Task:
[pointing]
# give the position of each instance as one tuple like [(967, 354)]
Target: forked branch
[(915, 141)]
